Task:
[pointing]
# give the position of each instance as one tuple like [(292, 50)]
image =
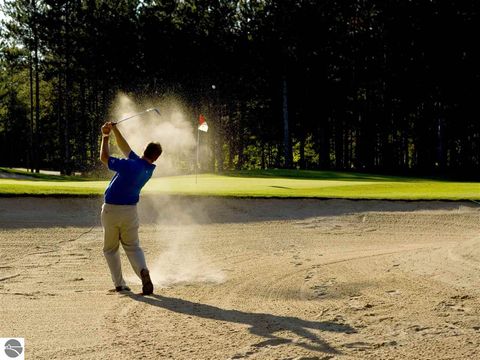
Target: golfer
[(119, 211)]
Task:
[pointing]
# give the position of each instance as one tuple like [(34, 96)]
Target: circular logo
[(13, 348)]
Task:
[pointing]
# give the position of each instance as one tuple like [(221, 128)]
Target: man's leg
[(130, 241), (111, 232), (131, 245)]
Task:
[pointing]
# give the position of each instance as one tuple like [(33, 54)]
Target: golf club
[(137, 114)]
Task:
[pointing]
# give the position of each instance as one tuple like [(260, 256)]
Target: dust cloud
[(182, 259), (172, 129)]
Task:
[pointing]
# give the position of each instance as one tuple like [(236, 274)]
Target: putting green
[(267, 184)]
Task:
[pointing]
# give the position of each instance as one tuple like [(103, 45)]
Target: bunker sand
[(301, 279)]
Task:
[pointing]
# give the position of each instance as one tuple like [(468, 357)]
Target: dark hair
[(153, 151)]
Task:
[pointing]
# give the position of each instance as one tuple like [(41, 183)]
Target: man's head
[(153, 151)]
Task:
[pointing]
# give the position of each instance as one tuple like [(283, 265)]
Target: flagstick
[(196, 164)]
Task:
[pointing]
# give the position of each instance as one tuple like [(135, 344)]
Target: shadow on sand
[(263, 325), (28, 212)]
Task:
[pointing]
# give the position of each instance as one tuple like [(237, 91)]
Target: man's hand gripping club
[(107, 128)]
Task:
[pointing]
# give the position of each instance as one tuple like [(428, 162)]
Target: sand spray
[(181, 259), (171, 129)]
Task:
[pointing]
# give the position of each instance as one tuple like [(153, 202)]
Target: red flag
[(202, 123)]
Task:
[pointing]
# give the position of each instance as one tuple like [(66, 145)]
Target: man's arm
[(104, 150), (121, 142)]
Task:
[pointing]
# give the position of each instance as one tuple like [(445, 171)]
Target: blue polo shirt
[(132, 174)]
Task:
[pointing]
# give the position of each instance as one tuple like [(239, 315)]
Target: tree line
[(366, 85)]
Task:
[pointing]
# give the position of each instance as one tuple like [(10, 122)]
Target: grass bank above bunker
[(262, 184)]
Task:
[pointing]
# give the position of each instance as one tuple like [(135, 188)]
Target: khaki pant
[(120, 226)]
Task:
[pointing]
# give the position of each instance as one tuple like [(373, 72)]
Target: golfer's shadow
[(264, 325)]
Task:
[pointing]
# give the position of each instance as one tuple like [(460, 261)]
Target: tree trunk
[(323, 145), (60, 122), (83, 125), (302, 150), (339, 156), (219, 150), (31, 148), (68, 94), (240, 142), (94, 131), (287, 147), (37, 109)]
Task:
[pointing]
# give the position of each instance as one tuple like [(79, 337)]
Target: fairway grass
[(280, 184)]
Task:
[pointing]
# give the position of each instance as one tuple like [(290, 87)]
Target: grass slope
[(40, 176), (267, 183)]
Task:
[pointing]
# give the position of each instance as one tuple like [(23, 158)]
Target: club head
[(154, 109)]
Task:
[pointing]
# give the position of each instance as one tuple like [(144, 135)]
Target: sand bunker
[(266, 279)]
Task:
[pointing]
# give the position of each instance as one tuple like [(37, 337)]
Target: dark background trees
[(382, 86)]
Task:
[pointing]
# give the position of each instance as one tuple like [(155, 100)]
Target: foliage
[(388, 86)]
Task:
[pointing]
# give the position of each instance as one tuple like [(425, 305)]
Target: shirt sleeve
[(116, 164), (133, 156)]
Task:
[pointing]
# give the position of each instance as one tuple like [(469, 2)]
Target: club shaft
[(132, 116), (137, 114)]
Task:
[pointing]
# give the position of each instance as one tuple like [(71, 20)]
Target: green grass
[(271, 183), (42, 176)]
